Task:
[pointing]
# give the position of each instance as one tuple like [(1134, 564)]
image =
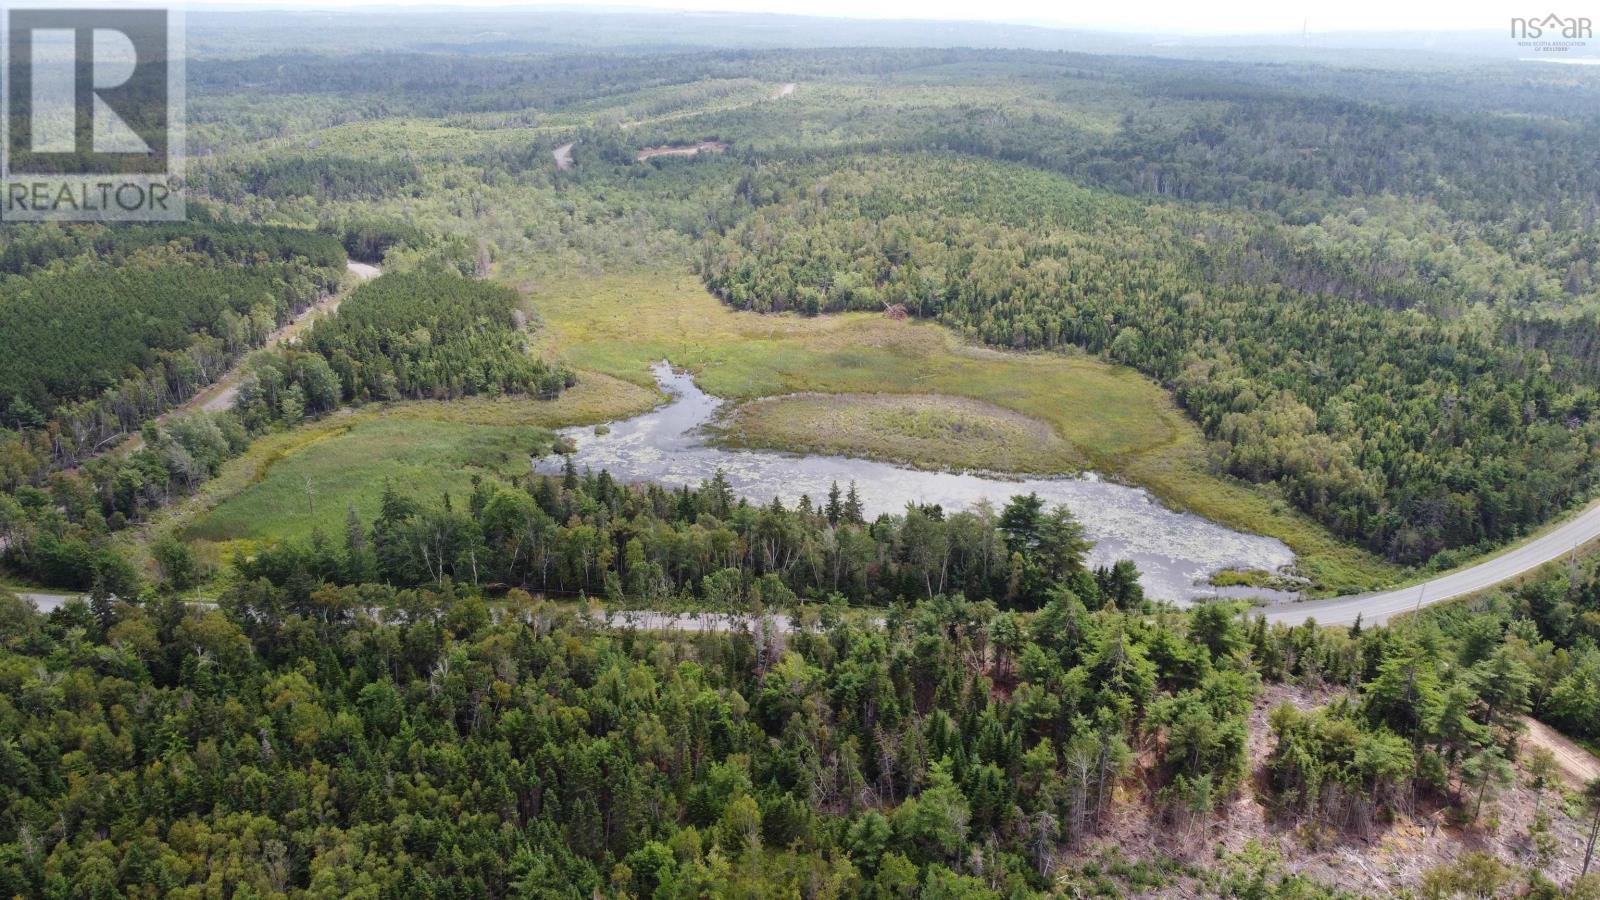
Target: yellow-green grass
[(424, 449), (312, 484), (1119, 422), (931, 431)]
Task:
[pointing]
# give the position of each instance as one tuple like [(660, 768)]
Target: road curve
[(1377, 608), (1373, 609), (563, 155)]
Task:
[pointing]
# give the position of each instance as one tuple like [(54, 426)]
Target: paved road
[(46, 603), (1377, 608)]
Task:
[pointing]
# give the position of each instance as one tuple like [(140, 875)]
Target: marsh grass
[(921, 430), (1110, 418), (295, 491), (293, 482), (909, 391)]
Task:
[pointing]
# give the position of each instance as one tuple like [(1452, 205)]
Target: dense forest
[(412, 336), (1408, 433), (433, 334), (319, 740), (1372, 282), (171, 308), (703, 549)]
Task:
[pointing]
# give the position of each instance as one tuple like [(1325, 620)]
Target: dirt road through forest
[(221, 394), (1578, 765)]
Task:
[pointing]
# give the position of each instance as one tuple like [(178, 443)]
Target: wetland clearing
[(1176, 552)]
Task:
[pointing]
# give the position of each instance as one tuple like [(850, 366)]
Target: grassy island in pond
[(929, 431), (1112, 419)]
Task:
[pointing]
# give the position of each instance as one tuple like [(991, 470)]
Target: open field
[(312, 481), (924, 430), (345, 459), (1113, 419)]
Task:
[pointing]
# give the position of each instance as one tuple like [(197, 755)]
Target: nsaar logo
[(1552, 32), (93, 125)]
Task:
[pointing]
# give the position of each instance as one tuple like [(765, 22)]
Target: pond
[(1176, 552)]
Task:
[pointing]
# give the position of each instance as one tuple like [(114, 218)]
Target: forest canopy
[(1372, 281), (1407, 433)]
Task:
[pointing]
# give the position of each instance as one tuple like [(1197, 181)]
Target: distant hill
[(220, 34)]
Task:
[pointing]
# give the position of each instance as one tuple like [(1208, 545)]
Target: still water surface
[(1175, 552)]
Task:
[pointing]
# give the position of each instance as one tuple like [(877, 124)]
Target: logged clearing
[(682, 150), (930, 431), (1378, 860), (1117, 421)]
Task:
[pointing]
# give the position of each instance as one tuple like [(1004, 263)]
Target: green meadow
[(295, 482)]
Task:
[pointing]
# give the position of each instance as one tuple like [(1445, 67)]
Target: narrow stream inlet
[(1176, 552)]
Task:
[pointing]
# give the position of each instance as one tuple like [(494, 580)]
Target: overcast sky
[(1185, 16)]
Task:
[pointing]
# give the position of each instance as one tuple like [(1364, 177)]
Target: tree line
[(323, 739), (431, 334), (701, 547), (1410, 433)]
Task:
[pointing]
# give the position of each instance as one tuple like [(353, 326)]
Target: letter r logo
[(87, 91)]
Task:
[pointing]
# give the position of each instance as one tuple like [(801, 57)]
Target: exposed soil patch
[(784, 91), (1392, 857), (682, 149), (1578, 766), (563, 155)]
